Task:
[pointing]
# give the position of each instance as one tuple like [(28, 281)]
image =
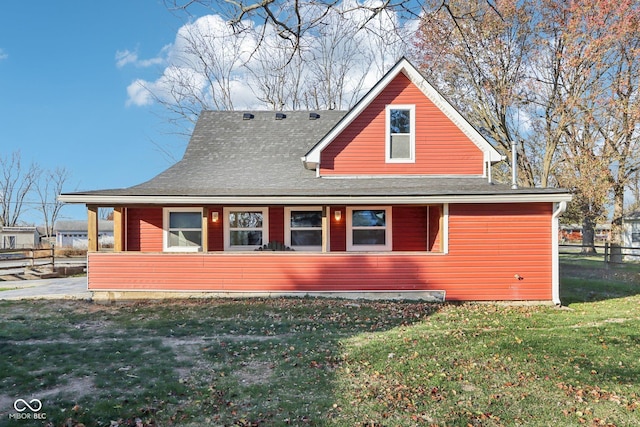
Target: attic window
[(247, 116), (280, 116), (314, 116), (400, 138)]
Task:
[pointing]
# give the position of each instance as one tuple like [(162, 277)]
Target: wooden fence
[(11, 259), (610, 254)]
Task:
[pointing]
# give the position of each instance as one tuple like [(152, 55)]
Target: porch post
[(205, 229), (325, 228), (92, 231), (117, 229)]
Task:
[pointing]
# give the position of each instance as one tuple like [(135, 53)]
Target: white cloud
[(138, 93), (236, 60), (243, 96), (126, 57), (3, 55)]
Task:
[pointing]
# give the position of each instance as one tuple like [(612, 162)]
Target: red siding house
[(393, 198)]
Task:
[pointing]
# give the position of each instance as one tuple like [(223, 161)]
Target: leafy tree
[(561, 76), (608, 35)]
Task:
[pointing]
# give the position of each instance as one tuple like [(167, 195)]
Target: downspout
[(555, 260), (514, 166)]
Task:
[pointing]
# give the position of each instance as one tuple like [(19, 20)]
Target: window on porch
[(369, 229), (182, 230), (245, 228), (303, 228)]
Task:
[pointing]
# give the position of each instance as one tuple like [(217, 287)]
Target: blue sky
[(73, 77), (63, 97)]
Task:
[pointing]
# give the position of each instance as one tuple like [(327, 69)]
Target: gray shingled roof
[(230, 156), (80, 225)]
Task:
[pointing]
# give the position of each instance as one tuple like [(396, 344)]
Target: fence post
[(606, 255)]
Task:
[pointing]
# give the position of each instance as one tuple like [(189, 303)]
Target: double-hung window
[(369, 229), (303, 228), (182, 229), (245, 228), (400, 134)]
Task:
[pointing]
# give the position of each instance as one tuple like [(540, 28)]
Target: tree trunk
[(616, 223), (588, 236)]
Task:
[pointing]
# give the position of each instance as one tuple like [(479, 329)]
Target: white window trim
[(165, 231), (445, 228), (388, 246), (287, 228), (226, 227), (412, 135)]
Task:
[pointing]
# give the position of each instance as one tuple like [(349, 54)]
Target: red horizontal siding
[(215, 235), (144, 229), (360, 148), (338, 229), (276, 224), (410, 228), (489, 247)]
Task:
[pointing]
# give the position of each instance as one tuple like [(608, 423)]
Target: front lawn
[(317, 362)]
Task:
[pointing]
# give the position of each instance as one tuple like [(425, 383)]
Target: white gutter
[(555, 260), (113, 200)]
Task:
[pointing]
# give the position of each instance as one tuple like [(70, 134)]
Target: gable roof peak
[(311, 160)]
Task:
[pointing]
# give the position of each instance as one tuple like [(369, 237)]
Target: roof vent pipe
[(314, 116), (247, 116), (280, 116), (514, 166)]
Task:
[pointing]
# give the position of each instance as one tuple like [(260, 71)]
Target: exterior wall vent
[(247, 116), (280, 116), (314, 116)]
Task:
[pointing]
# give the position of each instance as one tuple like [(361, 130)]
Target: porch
[(451, 251)]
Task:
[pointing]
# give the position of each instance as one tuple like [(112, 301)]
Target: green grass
[(597, 261), (324, 362)]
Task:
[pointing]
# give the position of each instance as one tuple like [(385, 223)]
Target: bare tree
[(325, 62), (336, 53), (15, 185), (276, 72), (478, 55), (200, 75), (48, 187)]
